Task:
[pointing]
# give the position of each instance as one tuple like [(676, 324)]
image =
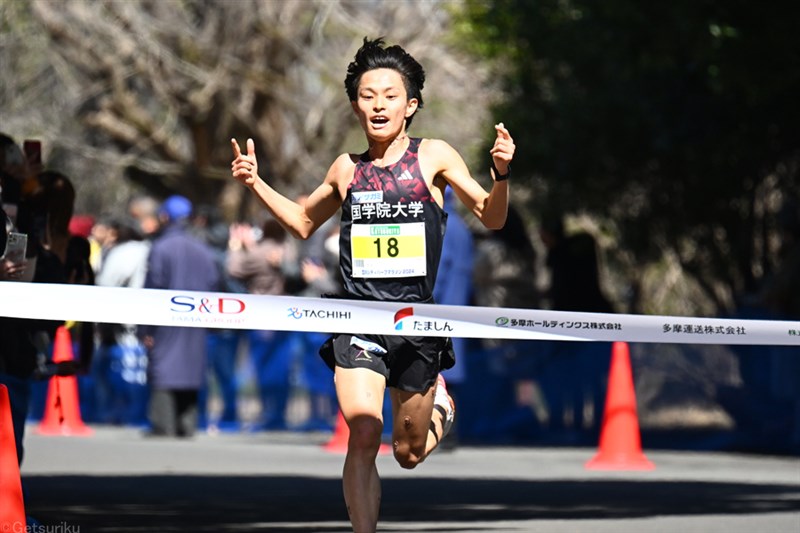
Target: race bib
[(388, 250)]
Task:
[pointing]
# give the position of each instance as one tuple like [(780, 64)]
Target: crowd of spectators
[(167, 381)]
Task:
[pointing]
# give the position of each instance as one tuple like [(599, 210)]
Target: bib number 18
[(390, 247), (388, 250)]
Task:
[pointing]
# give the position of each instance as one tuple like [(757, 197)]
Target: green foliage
[(666, 117)]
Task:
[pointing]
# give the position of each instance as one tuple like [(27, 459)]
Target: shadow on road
[(267, 503)]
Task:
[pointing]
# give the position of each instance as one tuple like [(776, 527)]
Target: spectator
[(505, 266), (145, 209), (81, 225), (766, 406), (15, 173), (58, 256), (102, 239), (18, 354), (256, 262), (574, 271), (17, 351), (51, 207), (177, 356), (454, 287), (223, 344), (577, 375), (313, 271), (120, 367), (504, 275), (44, 217)]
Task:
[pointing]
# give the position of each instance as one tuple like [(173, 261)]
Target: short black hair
[(372, 55)]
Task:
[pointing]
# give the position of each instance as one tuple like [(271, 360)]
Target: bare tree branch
[(153, 91)]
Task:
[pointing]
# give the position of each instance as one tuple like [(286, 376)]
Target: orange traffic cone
[(341, 434), (620, 441), (62, 415), (12, 506)]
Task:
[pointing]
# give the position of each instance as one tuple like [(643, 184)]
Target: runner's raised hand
[(244, 166), (503, 149)]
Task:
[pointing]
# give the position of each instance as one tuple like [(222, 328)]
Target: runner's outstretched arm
[(299, 220)]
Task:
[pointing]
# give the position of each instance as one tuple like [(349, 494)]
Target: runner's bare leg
[(360, 393), (417, 426)]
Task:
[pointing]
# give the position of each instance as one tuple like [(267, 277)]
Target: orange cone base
[(607, 461), (620, 443), (12, 506), (62, 415), (64, 430)]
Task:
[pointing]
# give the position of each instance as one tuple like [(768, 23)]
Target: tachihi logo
[(297, 313), (400, 315), (502, 321)]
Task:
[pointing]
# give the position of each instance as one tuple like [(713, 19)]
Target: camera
[(33, 151)]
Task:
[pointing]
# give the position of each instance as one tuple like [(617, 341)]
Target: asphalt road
[(118, 481)]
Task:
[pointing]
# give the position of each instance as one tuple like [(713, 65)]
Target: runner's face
[(383, 105)]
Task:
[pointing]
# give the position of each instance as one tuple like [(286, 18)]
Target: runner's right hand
[(244, 166)]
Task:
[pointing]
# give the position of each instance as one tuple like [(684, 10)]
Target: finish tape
[(85, 303)]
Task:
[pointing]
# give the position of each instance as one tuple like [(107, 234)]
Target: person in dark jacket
[(17, 351), (177, 356), (577, 376)]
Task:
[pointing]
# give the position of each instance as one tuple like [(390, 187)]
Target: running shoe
[(443, 401)]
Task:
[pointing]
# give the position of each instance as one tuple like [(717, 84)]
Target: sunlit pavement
[(119, 481)]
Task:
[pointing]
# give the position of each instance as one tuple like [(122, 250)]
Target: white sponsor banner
[(245, 311)]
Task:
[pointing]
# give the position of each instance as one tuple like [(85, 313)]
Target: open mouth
[(379, 120)]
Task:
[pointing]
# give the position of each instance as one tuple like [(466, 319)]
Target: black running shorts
[(410, 364)]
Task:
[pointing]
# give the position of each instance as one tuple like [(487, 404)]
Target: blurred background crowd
[(157, 377)]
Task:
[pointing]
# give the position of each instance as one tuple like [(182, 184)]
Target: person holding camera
[(17, 351)]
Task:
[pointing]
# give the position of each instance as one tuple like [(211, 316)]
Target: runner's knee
[(408, 451), (365, 434), (407, 456)]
